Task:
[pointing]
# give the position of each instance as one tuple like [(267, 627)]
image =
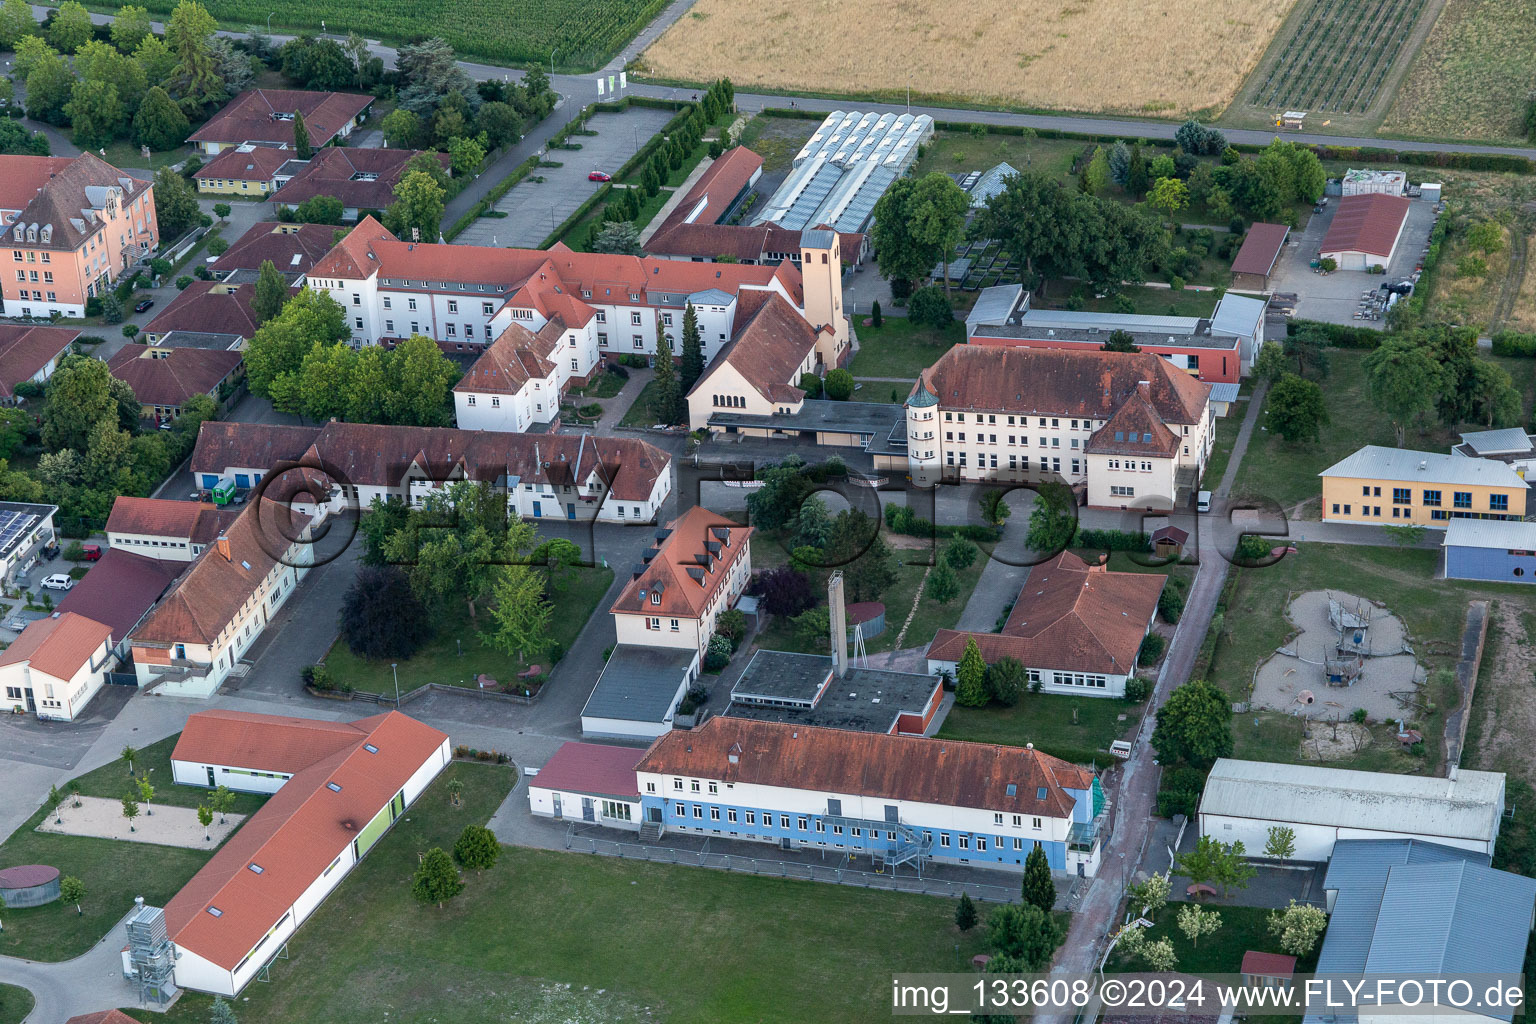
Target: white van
[(1203, 501)]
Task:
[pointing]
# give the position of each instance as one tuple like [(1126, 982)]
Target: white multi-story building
[(1128, 430), (57, 665), (192, 639), (897, 799), (173, 531), (564, 476)]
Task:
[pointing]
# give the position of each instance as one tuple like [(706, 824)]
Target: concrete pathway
[(86, 984), (1134, 799)]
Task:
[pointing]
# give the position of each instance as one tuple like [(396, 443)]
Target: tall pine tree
[(271, 293), (1038, 887), (301, 147), (693, 351), (667, 400)]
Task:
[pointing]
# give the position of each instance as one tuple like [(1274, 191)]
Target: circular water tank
[(29, 885), (868, 614)]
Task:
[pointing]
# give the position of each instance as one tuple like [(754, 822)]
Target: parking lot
[(1335, 297), (534, 209)]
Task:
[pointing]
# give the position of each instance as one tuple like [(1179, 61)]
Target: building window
[(1432, 498), (1498, 502), (453, 306), (698, 810), (634, 319), (1461, 499), (944, 839), (730, 815), (965, 842), (799, 823), (694, 785)]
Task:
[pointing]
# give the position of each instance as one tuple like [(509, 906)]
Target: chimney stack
[(837, 618)]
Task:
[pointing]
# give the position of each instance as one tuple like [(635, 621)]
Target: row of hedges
[(1339, 335), (1514, 343), (501, 188), (600, 196), (1457, 161), (1113, 540), (901, 519)]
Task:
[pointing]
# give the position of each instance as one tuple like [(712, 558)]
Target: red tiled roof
[(103, 1017), (251, 116), (62, 193), (254, 163), (1261, 248), (295, 837), (1059, 382), (209, 307), (1368, 224), (292, 248), (198, 522), (1068, 617), (273, 743), (1271, 965), (121, 588), (58, 645), (170, 376), (686, 586), (207, 597), (944, 772), (368, 249), (1134, 429), (24, 351), (509, 362), (377, 455), (332, 172), (591, 768), (718, 187), (769, 351)]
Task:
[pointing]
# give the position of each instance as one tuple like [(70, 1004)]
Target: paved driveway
[(534, 209), (1335, 298)]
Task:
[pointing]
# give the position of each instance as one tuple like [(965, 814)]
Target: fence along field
[(1340, 55), (1101, 56), (581, 34)]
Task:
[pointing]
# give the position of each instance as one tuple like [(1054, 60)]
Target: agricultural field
[(1472, 75), (1339, 56), (580, 34), (1033, 54)]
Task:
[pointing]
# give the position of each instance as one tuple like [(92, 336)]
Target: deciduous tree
[(942, 585), (72, 890), (1052, 520), (1404, 378), (1195, 922), (271, 293), (1281, 843), (1298, 927), (436, 879), (176, 208), (1194, 725), (417, 212), (381, 616), (70, 26), (129, 27), (94, 113), (1295, 409), (476, 848)]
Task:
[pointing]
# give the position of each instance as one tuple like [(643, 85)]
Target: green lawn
[(1432, 610), (1076, 729), (604, 385), (958, 152), (930, 618), (1151, 301), (1221, 952), (15, 1004), (1288, 473), (552, 936), (456, 655), (639, 413), (900, 348), (114, 872), (123, 153)]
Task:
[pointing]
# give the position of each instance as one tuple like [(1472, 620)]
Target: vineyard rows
[(581, 34), (1340, 55)]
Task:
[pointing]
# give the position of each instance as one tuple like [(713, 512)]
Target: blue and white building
[(896, 799), (1486, 549)]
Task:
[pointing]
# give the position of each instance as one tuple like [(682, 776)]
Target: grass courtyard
[(1221, 952), (1433, 612), (456, 654), (113, 872), (899, 348), (1078, 729), (559, 937)]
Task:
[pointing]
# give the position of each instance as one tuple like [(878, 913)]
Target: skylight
[(334, 787), (1040, 793), (370, 748), (256, 868), (215, 911)]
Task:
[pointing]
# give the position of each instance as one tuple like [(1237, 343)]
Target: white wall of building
[(245, 780), (151, 545), (1315, 842), (542, 802), (53, 696)]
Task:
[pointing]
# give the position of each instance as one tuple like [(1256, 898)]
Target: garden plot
[(1340, 56), (101, 818), (1371, 649)]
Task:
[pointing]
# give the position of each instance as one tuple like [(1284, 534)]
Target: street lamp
[(552, 53), (395, 669)]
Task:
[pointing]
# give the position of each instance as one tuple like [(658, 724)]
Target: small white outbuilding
[(1244, 799)]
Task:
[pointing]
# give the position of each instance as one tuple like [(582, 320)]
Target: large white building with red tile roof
[(571, 310), (57, 665), (337, 788)]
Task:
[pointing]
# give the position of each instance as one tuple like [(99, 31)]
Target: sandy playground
[(1387, 666), (167, 826)]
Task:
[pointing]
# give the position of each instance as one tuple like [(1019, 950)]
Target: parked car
[(143, 305), (599, 176), (58, 581), (92, 552), (50, 552)]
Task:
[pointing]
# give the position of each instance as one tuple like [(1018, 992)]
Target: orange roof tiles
[(59, 192), (769, 351), (210, 307), (199, 522), (1057, 382), (103, 1017), (25, 351), (1134, 429), (1070, 617), (259, 163), (292, 248), (168, 377), (946, 772), (508, 363), (252, 116), (295, 836), (1367, 223), (686, 584), (59, 645), (273, 743), (334, 171)]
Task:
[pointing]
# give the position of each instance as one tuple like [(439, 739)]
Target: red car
[(599, 176)]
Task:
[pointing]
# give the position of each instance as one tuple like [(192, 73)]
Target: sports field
[(1473, 74), (1130, 56)]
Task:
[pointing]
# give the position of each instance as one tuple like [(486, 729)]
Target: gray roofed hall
[(1375, 462), (1508, 534), (991, 183), (1237, 315), (638, 684), (1467, 807), (1225, 393), (1507, 441)]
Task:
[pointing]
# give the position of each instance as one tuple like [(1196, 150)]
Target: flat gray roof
[(783, 675), (871, 418), (863, 700), (638, 684), (199, 339), (1096, 336)]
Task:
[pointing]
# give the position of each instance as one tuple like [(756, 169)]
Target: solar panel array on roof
[(13, 525), (844, 168)]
